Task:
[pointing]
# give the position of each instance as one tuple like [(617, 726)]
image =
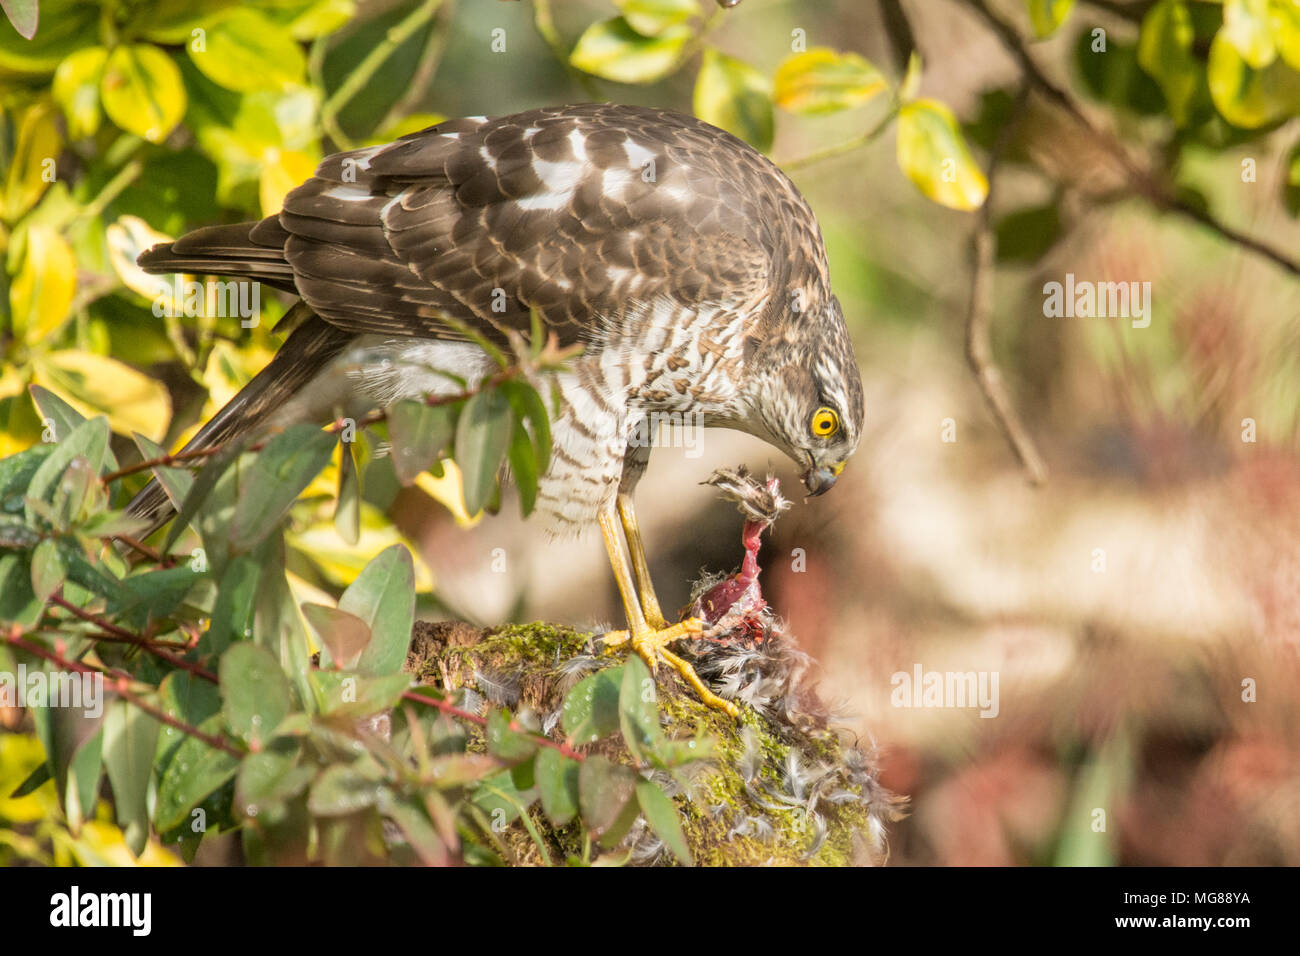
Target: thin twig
[(979, 351), (839, 149)]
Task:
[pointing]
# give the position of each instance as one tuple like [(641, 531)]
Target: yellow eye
[(825, 422)]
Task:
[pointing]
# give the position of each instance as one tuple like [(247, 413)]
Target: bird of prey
[(686, 265)]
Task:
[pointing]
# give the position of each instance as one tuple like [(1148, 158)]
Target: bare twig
[(979, 352)]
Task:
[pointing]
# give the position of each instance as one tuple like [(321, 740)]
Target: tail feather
[(245, 250), (313, 344)]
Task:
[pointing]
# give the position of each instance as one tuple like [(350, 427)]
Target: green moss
[(725, 821)]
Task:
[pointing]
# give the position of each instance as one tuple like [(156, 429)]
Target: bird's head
[(806, 395)]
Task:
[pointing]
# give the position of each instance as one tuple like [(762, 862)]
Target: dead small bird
[(736, 602)]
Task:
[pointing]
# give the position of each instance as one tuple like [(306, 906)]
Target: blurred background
[(1140, 608)]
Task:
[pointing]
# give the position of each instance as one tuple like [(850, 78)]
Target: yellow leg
[(640, 567), (651, 642)]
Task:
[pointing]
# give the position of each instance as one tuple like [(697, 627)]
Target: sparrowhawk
[(686, 265)]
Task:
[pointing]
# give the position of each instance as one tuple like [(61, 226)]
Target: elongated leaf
[(590, 710), (663, 819), (194, 773), (60, 417), (24, 15), (523, 467), (821, 80), (281, 471), (42, 290), (254, 691), (98, 384), (420, 434), (347, 513), (177, 482), (638, 712), (88, 440), (529, 407), (556, 778), (31, 165), (130, 741), (48, 569), (343, 635), (933, 154), (383, 596), (482, 437)]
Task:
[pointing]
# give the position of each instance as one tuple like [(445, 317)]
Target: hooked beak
[(819, 480)]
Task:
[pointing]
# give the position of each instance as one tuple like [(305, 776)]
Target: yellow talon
[(649, 634)]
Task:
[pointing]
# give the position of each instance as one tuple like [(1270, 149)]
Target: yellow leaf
[(734, 96), (76, 90), (448, 492), (127, 238), (283, 170), (19, 756), (99, 385), (43, 285), (32, 167), (933, 154), (142, 91), (341, 562), (613, 50), (102, 844), (824, 81), (1247, 97)]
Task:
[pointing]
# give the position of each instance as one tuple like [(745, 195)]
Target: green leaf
[(48, 569), (420, 435), (821, 80), (73, 744), (88, 440), (279, 474), (1247, 97), (24, 15), (523, 467), (246, 52), (528, 406), (342, 789), (590, 710), (60, 417), (482, 437), (663, 819), (343, 635), (652, 17), (194, 773), (605, 790), (508, 745), (142, 91), (254, 691), (177, 482), (347, 694), (75, 27), (456, 770), (1165, 52), (235, 607), (638, 712), (76, 90), (347, 512), (734, 96), (130, 741), (556, 779), (268, 779), (613, 50), (932, 153), (204, 484), (1046, 15), (383, 596)]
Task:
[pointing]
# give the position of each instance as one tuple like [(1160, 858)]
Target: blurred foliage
[(125, 123)]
